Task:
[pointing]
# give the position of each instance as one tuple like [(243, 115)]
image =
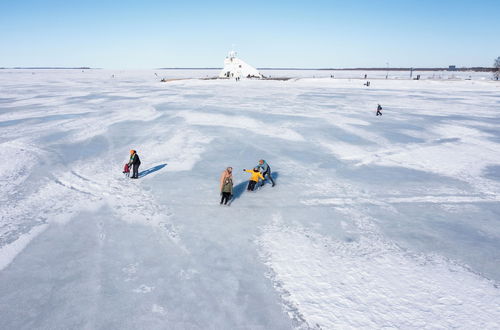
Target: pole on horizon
[(387, 73), (411, 73)]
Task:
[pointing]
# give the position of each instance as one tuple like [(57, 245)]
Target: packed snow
[(375, 222)]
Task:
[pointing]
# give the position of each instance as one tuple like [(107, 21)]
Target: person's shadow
[(151, 170), (240, 188)]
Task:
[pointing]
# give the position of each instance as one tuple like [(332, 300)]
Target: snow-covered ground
[(375, 222)]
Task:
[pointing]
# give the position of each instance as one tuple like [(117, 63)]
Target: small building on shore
[(235, 67)]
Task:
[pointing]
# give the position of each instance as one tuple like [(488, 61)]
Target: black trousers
[(267, 175), (225, 198), (135, 170), (379, 113), (251, 185)]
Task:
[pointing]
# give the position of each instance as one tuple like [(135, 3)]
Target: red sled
[(126, 169)]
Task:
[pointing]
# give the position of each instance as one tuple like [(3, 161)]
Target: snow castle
[(235, 67)]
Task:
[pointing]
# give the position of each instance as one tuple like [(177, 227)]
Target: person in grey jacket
[(265, 169)]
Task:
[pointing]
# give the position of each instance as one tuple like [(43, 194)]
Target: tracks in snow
[(59, 199)]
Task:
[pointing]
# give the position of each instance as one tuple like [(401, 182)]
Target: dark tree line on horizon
[(496, 65)]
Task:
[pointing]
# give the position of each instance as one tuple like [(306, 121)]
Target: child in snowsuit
[(226, 185), (265, 169), (126, 170), (134, 162), (254, 178)]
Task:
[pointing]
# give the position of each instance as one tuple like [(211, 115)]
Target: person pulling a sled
[(134, 162), (379, 110), (226, 185), (265, 169), (254, 178)]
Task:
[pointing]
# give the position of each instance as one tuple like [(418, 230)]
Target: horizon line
[(450, 68)]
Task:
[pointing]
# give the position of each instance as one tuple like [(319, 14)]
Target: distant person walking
[(254, 178), (379, 110), (134, 162), (226, 185), (265, 170)]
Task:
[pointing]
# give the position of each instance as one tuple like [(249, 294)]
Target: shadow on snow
[(240, 188), (151, 170)]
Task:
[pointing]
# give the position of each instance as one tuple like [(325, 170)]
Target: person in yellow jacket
[(256, 175)]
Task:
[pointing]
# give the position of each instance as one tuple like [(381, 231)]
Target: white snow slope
[(375, 222)]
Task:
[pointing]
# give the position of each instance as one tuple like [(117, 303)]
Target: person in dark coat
[(265, 169), (379, 110), (134, 162)]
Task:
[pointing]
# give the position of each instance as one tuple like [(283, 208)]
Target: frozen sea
[(375, 222)]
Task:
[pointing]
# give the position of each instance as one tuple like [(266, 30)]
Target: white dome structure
[(237, 68)]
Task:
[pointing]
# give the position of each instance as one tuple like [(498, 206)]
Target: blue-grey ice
[(390, 221)]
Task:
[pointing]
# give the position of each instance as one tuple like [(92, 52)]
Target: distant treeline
[(477, 69), (48, 67), (189, 69)]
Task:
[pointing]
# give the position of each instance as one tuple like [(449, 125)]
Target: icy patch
[(371, 284), (10, 251), (55, 201), (181, 152), (58, 200), (87, 127), (455, 151), (126, 197), (240, 122), (14, 170), (433, 199)]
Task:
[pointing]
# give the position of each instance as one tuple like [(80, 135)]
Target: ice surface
[(375, 222)]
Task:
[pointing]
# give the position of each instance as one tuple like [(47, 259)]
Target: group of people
[(260, 172)]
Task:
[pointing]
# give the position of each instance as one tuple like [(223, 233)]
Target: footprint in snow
[(130, 271), (187, 274), (144, 289), (158, 309)]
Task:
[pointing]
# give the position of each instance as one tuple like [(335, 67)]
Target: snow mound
[(372, 284)]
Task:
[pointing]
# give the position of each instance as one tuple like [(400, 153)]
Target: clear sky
[(306, 34)]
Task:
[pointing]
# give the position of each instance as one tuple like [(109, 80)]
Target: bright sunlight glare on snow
[(387, 221)]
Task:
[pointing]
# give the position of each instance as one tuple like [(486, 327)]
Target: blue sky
[(306, 34)]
